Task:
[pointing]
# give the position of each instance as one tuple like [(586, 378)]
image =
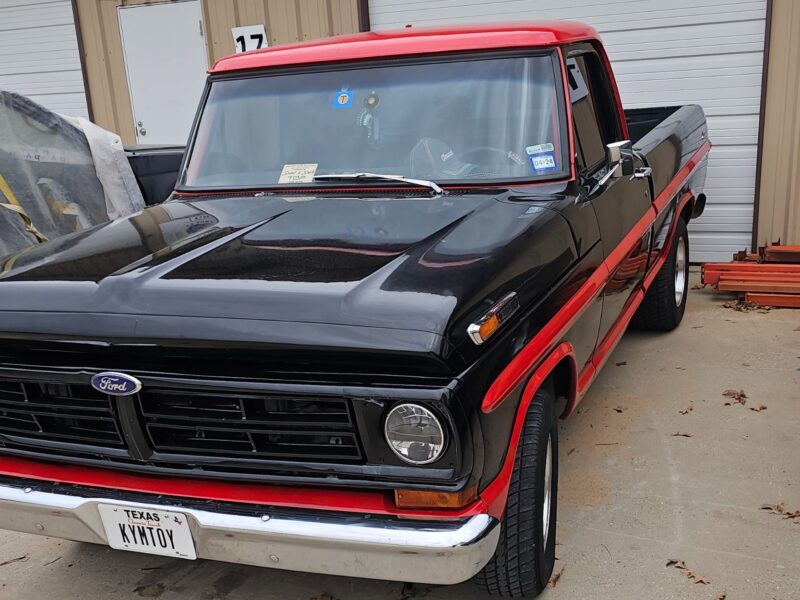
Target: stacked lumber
[(770, 277)]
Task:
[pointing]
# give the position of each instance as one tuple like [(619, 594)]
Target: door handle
[(641, 173)]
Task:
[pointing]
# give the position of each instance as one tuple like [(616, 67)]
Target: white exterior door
[(39, 54), (166, 63), (703, 52)]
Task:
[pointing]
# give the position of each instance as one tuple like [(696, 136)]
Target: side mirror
[(619, 157)]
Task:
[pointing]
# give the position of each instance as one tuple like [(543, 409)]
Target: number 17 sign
[(249, 37)]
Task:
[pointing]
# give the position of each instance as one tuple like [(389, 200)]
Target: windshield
[(471, 121)]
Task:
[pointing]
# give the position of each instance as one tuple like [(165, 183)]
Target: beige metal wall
[(286, 21), (779, 198)]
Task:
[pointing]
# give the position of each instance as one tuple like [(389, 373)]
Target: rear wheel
[(665, 302), (526, 551)]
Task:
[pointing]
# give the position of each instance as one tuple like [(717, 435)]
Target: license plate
[(147, 530)]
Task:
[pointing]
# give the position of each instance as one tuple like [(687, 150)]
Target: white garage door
[(39, 54), (707, 52)]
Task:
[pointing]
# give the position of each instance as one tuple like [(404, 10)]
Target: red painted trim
[(568, 112), (607, 345), (496, 493), (527, 358), (319, 498), (623, 122), (411, 41), (662, 258), (674, 186)]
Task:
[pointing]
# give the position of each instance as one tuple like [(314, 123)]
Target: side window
[(593, 108)]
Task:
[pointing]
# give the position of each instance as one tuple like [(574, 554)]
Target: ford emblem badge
[(116, 384)]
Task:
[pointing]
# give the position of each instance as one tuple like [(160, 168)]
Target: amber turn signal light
[(491, 320), (433, 499)]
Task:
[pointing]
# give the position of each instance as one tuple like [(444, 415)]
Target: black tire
[(661, 310), (523, 562)]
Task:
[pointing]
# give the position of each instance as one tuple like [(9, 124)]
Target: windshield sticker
[(577, 86), (516, 157), (542, 158), (299, 173), (541, 148), (343, 99)]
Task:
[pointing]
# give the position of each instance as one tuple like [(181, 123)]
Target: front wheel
[(526, 551), (665, 302)]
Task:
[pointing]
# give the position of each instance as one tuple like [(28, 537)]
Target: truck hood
[(411, 264)]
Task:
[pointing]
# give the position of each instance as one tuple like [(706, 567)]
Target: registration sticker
[(343, 98), (542, 157), (298, 173)]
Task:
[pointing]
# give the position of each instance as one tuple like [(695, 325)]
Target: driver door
[(619, 203)]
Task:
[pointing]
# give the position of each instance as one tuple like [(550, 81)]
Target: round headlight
[(414, 434)]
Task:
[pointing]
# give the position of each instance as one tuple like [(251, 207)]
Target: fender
[(495, 494)]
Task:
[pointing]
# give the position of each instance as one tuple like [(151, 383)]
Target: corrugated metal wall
[(286, 21), (39, 54), (779, 199), (707, 52)]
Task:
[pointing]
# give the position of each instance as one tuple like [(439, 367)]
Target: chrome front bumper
[(358, 546)]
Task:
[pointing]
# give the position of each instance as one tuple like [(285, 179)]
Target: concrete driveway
[(632, 494)]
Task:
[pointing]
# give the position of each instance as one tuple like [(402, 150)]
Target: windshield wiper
[(377, 177)]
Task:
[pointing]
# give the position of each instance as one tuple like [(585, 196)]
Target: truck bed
[(666, 137)]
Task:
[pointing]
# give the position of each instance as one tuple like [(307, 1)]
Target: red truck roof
[(410, 41)]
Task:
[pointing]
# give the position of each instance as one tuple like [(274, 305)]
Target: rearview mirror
[(619, 157)]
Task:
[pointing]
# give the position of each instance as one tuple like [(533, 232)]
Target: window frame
[(607, 113), (564, 114)]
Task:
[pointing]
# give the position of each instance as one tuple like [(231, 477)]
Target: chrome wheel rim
[(680, 271), (548, 492)]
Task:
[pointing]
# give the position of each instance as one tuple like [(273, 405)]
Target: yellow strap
[(15, 207), (4, 187)]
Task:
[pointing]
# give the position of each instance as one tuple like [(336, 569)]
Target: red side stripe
[(527, 358)]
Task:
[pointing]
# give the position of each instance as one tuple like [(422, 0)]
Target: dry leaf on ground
[(742, 306), (695, 577), (722, 596), (736, 396), (687, 410), (681, 434), (619, 409), (678, 564), (556, 576), (22, 558), (758, 408), (621, 363), (780, 509)]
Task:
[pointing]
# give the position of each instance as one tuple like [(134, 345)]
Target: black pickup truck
[(390, 262)]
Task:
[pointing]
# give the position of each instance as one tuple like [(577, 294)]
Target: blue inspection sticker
[(343, 99), (542, 158)]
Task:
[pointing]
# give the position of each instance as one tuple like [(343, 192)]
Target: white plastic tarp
[(58, 175)]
